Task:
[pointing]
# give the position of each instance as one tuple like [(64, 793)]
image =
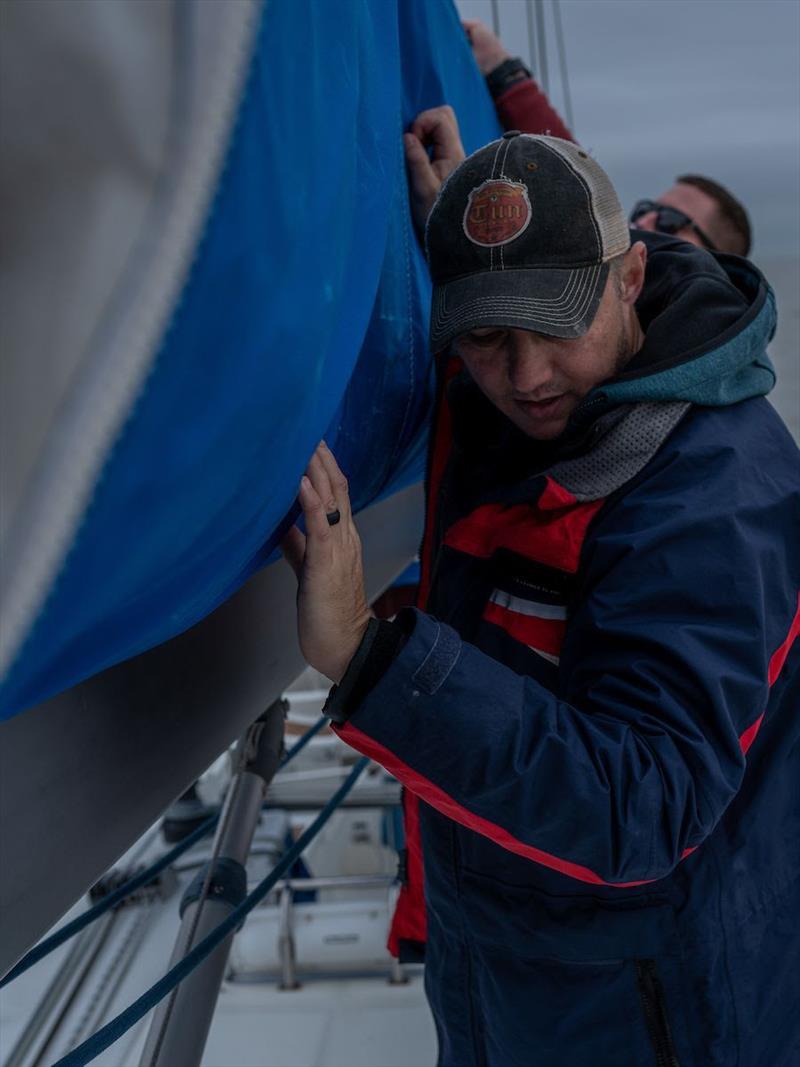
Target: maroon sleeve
[(524, 107)]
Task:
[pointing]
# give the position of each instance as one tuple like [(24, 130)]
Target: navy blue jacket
[(600, 711)]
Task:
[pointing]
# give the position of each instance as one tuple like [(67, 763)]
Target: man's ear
[(633, 269)]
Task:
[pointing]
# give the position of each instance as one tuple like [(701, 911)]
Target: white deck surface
[(362, 1022)]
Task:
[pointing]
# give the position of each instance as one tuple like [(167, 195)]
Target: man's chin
[(543, 422), (546, 433)]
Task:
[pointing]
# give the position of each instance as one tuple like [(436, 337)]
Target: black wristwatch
[(507, 74)]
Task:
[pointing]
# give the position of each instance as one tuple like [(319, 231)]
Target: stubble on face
[(565, 369)]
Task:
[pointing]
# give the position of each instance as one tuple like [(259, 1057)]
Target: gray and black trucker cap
[(521, 235)]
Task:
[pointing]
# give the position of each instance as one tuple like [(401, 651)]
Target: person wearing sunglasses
[(695, 209), (700, 211)]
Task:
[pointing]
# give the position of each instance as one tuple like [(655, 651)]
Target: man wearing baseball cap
[(595, 709)]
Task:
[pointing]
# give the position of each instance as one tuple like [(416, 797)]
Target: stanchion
[(181, 1022)]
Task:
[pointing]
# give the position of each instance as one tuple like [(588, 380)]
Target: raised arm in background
[(518, 100)]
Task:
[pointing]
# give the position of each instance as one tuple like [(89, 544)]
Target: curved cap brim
[(561, 303)]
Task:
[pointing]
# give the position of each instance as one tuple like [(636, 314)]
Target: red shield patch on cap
[(497, 212)]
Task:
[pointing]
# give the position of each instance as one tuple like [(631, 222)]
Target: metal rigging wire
[(532, 46), (562, 62), (541, 33), (496, 17)]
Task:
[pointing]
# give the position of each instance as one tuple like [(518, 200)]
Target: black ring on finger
[(333, 517)]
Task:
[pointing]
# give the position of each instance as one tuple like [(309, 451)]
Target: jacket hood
[(707, 320)]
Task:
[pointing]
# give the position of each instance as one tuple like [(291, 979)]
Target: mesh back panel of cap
[(608, 213)]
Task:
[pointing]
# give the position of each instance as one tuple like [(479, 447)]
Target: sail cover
[(208, 265)]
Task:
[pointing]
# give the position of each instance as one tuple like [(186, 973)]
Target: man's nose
[(529, 367)]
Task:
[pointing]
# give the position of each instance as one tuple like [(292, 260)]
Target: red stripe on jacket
[(437, 798), (779, 656), (551, 532), (776, 662), (749, 736), (546, 635), (410, 922)]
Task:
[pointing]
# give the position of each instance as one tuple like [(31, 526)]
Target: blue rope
[(114, 1030), (50, 944), (301, 744), (44, 948)]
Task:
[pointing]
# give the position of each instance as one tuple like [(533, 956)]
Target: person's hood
[(707, 321)]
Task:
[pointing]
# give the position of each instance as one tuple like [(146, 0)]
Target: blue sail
[(302, 314)]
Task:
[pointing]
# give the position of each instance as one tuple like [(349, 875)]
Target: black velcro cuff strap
[(380, 644)]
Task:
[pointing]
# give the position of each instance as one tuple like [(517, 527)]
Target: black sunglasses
[(669, 220)]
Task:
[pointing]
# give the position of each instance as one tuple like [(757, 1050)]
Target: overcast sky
[(662, 87)]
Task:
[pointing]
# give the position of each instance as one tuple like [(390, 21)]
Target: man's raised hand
[(488, 49), (437, 129), (332, 611)]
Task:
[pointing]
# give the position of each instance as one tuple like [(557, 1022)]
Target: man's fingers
[(318, 476), (341, 490), (318, 532), (327, 479), (487, 48), (438, 128), (293, 547), (423, 179), (416, 156)]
